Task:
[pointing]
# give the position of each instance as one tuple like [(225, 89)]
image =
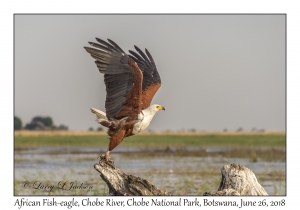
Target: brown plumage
[(131, 83), (133, 105), (148, 94)]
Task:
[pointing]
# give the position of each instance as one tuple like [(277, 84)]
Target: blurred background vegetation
[(38, 123)]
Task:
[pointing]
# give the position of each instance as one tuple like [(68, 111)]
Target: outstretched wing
[(122, 77), (151, 78)]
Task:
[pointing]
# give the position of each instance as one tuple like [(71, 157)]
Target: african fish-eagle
[(131, 82)]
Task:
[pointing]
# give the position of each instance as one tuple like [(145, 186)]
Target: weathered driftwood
[(120, 183), (236, 180)]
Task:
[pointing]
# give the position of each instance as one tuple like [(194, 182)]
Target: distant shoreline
[(95, 133)]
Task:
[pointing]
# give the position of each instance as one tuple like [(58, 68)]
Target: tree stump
[(120, 183), (236, 180)]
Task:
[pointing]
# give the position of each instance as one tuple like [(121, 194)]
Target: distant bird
[(131, 82)]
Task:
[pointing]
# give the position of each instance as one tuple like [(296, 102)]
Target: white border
[(8, 8)]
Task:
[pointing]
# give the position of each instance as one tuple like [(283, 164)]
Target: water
[(76, 163)]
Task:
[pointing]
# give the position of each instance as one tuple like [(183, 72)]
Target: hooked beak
[(163, 108)]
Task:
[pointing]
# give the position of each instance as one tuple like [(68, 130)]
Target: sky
[(218, 71)]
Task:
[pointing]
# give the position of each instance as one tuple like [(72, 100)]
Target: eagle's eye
[(157, 107)]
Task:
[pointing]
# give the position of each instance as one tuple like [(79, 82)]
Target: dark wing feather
[(118, 76), (151, 78), (130, 84), (116, 46)]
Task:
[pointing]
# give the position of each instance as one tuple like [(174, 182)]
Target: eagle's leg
[(115, 140)]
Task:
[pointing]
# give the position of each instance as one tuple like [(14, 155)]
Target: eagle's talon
[(100, 157), (105, 158)]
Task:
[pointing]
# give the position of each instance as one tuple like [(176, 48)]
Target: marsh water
[(188, 171)]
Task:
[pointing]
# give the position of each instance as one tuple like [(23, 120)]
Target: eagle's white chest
[(144, 119)]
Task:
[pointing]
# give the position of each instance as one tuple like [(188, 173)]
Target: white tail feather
[(100, 115)]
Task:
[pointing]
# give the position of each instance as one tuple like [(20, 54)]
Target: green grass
[(155, 140)]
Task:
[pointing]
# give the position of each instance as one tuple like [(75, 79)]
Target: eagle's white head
[(151, 110), (158, 107)]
